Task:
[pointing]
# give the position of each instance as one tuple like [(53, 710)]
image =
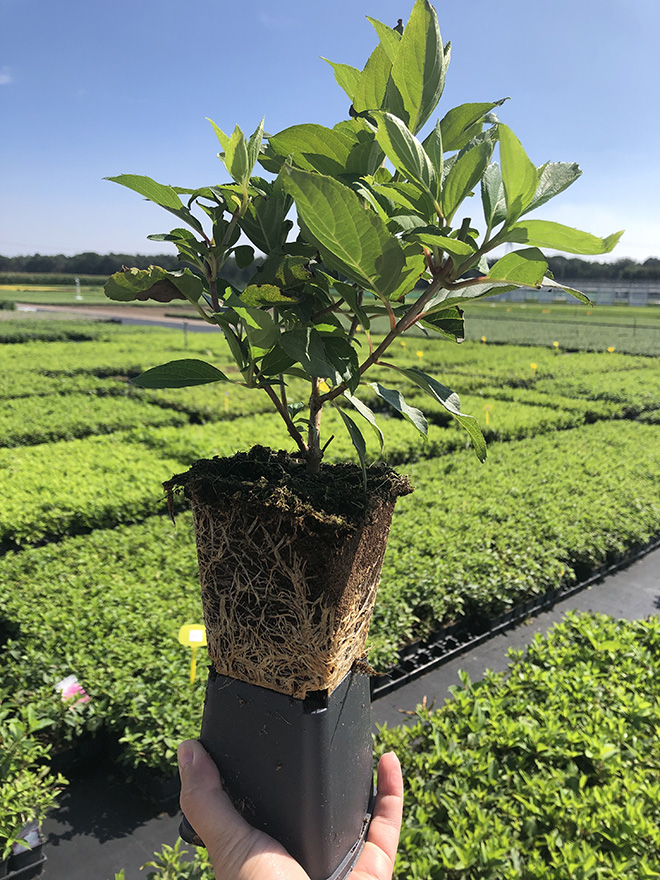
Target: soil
[(335, 495)]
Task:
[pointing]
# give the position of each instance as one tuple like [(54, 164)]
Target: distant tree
[(90, 263)]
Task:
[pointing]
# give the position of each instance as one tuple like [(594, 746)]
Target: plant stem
[(288, 421), (406, 321), (314, 451)]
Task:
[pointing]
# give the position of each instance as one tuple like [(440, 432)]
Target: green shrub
[(33, 420), (479, 539), (27, 787), (543, 772), (107, 608), (56, 489)]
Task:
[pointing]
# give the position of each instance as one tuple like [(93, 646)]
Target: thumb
[(208, 808)]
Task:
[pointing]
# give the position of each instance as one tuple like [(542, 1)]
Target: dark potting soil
[(278, 479)]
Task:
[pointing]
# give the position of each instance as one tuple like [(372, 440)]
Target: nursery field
[(97, 580)]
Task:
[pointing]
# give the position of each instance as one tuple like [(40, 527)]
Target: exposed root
[(287, 590)]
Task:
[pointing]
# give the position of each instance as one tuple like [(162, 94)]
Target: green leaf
[(261, 329), (350, 295), (526, 267), (492, 196), (405, 152), (434, 149), (477, 290), (347, 77), (407, 196), (413, 270), (343, 357), (180, 374), (366, 155), (555, 178), (546, 233), (352, 240), (222, 137), (357, 440), (466, 172), (244, 256), (550, 282), (396, 400), (285, 271), (388, 37), (418, 71), (158, 193), (305, 345), (448, 322), (265, 222), (313, 147), (372, 82), (367, 414), (276, 361), (451, 402), (519, 175), (256, 295), (461, 124), (140, 285), (236, 157), (254, 147), (427, 235)]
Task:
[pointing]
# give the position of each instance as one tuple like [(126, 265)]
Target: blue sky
[(92, 89)]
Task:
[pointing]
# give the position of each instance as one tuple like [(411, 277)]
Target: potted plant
[(290, 548), (27, 790)]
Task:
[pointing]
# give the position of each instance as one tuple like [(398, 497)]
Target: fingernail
[(185, 753)]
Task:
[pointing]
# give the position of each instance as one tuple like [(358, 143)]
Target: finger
[(237, 850), (377, 859), (204, 801)]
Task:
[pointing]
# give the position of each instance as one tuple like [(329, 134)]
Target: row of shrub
[(638, 340), (107, 606), (62, 330), (543, 771), (27, 787), (537, 773), (473, 540), (52, 278), (28, 421)]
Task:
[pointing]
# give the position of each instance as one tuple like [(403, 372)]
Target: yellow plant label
[(193, 635)]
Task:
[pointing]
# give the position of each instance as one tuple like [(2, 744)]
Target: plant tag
[(71, 689), (193, 635)]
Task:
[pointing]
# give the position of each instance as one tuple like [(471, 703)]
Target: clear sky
[(96, 88)]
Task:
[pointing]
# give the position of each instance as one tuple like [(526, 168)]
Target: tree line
[(563, 268), (105, 265)]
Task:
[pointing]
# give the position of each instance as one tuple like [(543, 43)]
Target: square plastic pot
[(299, 769), (26, 861)]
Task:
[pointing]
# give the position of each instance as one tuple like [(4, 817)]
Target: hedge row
[(478, 539), (107, 606), (57, 489), (542, 772), (29, 421), (576, 337), (29, 330), (539, 773)]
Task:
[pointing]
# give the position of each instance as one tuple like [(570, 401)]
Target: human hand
[(240, 852)]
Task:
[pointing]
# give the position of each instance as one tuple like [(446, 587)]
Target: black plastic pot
[(26, 861), (33, 868), (301, 770)]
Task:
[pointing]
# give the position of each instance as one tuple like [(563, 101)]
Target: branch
[(288, 421), (406, 321)]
